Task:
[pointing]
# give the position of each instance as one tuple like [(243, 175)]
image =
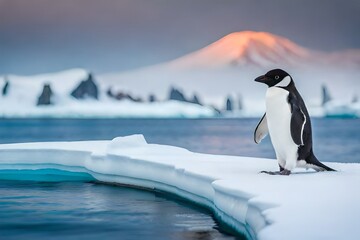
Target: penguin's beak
[(262, 79)]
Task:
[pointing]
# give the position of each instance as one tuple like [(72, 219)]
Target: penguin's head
[(275, 77)]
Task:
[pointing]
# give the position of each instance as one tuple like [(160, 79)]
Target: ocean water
[(335, 140), (78, 208), (85, 210)]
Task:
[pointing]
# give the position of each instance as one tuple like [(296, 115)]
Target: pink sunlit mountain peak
[(262, 50), (245, 48)]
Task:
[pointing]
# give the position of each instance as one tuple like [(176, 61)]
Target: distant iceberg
[(342, 110), (304, 205), (338, 109)]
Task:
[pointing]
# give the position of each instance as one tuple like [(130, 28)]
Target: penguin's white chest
[(278, 114)]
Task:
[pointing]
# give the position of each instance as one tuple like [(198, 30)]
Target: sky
[(39, 36)]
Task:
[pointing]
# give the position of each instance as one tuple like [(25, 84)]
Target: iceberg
[(304, 205)]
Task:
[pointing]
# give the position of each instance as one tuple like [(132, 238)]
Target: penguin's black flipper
[(298, 121), (261, 130), (311, 159)]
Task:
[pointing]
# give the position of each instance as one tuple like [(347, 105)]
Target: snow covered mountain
[(263, 50), (242, 49), (228, 67)]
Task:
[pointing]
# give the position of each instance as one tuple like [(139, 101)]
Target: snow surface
[(304, 205)]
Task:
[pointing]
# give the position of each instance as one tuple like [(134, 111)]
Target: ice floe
[(304, 205)]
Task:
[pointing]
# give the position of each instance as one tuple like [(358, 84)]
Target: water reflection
[(68, 210)]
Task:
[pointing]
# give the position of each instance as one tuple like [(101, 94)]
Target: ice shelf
[(304, 205)]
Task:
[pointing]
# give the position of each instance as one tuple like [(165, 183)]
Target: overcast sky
[(114, 35)]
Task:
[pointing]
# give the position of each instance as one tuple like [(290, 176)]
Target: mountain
[(263, 50), (242, 49), (230, 64)]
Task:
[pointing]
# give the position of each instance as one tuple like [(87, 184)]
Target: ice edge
[(244, 218)]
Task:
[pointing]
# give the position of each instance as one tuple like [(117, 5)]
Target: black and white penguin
[(288, 123)]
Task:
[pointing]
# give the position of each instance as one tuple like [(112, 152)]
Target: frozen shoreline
[(301, 206)]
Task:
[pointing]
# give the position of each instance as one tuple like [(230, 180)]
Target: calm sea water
[(85, 210), (334, 139), (82, 210)]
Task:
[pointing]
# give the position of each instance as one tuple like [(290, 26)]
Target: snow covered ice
[(23, 93), (304, 205)]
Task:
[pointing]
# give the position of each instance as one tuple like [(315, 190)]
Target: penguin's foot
[(283, 172)]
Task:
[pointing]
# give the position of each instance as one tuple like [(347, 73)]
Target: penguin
[(287, 122)]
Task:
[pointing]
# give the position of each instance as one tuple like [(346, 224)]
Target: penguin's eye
[(276, 77)]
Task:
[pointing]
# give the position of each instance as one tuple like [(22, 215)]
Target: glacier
[(24, 91), (107, 109), (304, 205)]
